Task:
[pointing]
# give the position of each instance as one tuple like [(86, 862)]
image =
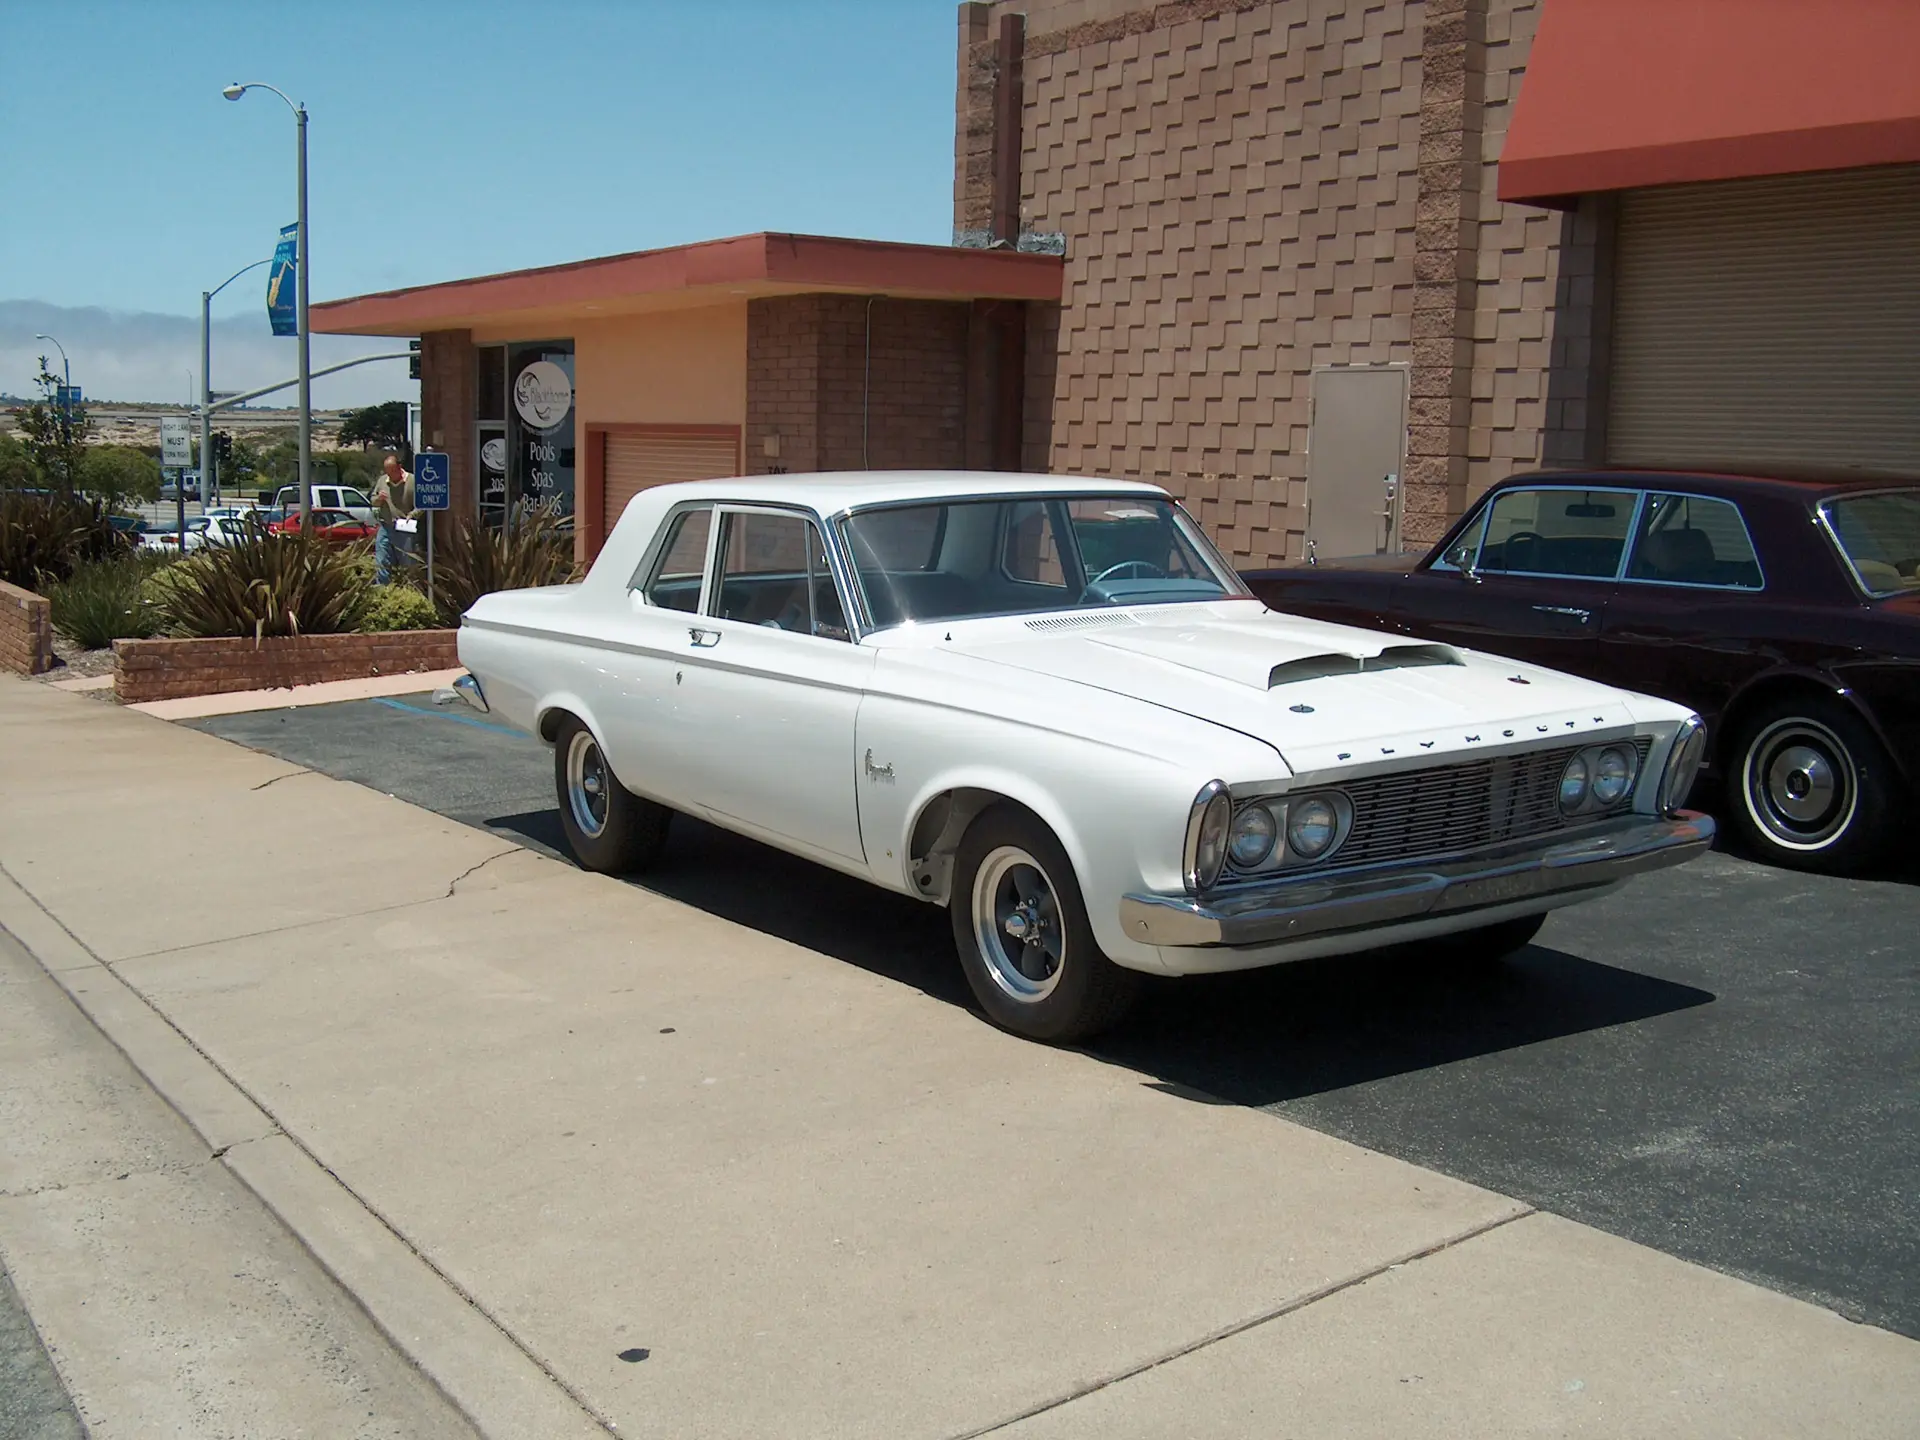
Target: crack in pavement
[(1278, 1312), (278, 778), (469, 871)]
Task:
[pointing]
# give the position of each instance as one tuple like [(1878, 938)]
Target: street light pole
[(206, 378), (301, 265), (66, 370)]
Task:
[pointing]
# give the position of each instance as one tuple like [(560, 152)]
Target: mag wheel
[(608, 827)]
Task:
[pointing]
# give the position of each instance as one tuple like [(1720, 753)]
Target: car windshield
[(1012, 556), (1880, 533)]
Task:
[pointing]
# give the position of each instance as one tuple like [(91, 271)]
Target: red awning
[(1622, 93)]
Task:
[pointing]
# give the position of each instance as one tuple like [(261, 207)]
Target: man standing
[(392, 503)]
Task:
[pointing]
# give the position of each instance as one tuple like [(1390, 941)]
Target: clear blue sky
[(453, 139)]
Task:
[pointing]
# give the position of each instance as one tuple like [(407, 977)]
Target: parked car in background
[(1784, 608), (327, 497), (170, 489), (336, 527), (168, 540), (1049, 705), (128, 524)]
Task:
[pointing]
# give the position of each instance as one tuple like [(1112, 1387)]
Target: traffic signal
[(413, 360), (222, 447)]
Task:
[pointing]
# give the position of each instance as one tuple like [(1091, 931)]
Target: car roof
[(832, 493), (1785, 481)]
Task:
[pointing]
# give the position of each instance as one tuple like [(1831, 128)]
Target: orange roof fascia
[(1626, 93), (787, 261)]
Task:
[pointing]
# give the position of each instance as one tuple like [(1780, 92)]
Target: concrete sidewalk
[(602, 1163)]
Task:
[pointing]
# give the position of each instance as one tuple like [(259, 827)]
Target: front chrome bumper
[(466, 689), (1296, 906)]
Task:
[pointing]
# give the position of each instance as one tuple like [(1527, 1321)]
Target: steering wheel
[(1532, 537), (1143, 569)]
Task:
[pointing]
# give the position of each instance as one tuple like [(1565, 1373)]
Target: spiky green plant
[(265, 585), (535, 547), (106, 601), (44, 538)]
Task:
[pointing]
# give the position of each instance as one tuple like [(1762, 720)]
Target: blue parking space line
[(439, 714)]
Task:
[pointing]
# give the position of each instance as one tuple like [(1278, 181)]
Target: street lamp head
[(234, 91), (43, 337)]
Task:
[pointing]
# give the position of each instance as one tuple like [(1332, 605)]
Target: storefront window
[(540, 424)]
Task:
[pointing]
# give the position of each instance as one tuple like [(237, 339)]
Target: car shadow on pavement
[(1254, 1038)]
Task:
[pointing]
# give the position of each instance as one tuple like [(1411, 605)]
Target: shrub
[(396, 607), (45, 538), (264, 585), (533, 549), (106, 601)]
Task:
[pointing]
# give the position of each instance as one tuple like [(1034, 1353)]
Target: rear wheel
[(1810, 787), (608, 827), (1021, 928)]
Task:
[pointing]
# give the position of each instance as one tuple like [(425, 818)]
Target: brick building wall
[(1250, 190), (26, 631), (447, 394), (843, 396)]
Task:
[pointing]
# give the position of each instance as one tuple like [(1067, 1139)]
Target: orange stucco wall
[(684, 367)]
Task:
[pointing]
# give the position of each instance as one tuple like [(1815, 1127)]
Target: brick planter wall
[(171, 669), (26, 631)]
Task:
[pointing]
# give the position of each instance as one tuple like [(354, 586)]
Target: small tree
[(119, 472), (382, 425), (17, 471), (56, 435)]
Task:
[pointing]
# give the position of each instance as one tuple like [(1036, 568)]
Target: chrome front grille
[(1450, 808)]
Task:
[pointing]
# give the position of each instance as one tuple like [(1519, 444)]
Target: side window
[(328, 497), (774, 572), (356, 499), (1465, 549), (1557, 532), (1694, 540), (1030, 553), (675, 582)]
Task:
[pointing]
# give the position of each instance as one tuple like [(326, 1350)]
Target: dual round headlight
[(1598, 779), (1254, 832), (1249, 837)]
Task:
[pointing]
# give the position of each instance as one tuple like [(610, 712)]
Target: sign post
[(432, 491), (176, 453)]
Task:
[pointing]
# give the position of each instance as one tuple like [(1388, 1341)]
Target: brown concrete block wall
[(447, 395), (26, 631), (1540, 297), (171, 669), (1237, 184), (850, 385)]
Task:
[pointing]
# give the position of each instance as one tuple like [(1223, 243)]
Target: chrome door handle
[(1583, 616), (704, 639)]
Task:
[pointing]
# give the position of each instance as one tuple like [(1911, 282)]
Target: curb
[(500, 1390)]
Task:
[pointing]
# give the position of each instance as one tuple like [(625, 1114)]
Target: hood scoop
[(1394, 657)]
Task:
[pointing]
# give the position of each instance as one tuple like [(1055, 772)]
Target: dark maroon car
[(1784, 608)]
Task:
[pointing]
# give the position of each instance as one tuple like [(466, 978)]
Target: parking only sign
[(432, 480)]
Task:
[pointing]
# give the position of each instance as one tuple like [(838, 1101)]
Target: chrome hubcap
[(587, 782), (1800, 784), (1016, 924)]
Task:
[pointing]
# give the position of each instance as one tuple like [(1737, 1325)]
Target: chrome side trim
[(467, 689), (1313, 904)]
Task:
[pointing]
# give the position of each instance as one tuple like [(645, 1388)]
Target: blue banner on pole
[(280, 283)]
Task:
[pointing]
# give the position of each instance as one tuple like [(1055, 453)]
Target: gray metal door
[(1356, 447)]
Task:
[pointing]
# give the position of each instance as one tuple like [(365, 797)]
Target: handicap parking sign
[(432, 480)]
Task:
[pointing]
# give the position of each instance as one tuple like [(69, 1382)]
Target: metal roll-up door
[(639, 460), (1769, 322)]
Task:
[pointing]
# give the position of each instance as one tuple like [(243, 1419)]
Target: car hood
[(1325, 696)]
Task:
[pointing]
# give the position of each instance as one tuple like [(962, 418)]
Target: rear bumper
[(1544, 870), (466, 689)]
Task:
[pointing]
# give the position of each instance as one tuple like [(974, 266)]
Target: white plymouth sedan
[(1050, 705)]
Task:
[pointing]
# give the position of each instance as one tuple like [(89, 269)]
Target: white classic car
[(1051, 706)]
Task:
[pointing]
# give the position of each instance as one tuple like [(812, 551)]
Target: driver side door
[(1531, 578)]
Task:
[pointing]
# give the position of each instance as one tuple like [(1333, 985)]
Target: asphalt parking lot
[(1718, 1062)]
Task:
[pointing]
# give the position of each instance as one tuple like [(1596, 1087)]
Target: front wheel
[(1811, 787), (1021, 928), (608, 827)]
